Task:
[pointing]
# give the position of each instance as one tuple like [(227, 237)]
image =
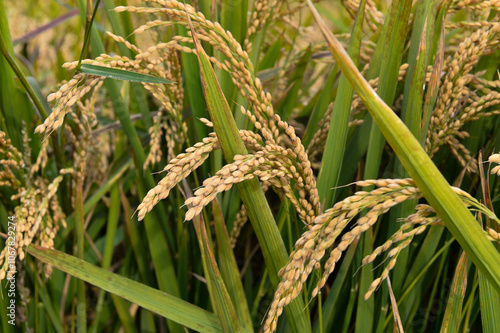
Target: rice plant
[(358, 139)]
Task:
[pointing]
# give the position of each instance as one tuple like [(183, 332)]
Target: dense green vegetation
[(136, 146)]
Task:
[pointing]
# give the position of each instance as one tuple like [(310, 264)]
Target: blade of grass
[(433, 87), (137, 241), (489, 298), (398, 325), (120, 74), (219, 296), (419, 166), (89, 19), (489, 302), (192, 83), (159, 302), (470, 311), (233, 16), (453, 313), (229, 269), (81, 308), (250, 191), (393, 49), (271, 56)]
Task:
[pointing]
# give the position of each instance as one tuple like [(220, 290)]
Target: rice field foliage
[(250, 166)]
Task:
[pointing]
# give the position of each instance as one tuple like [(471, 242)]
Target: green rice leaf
[(229, 269), (119, 74), (453, 314), (219, 296), (159, 302), (489, 301)]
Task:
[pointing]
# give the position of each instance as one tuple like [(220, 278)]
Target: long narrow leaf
[(219, 295), (489, 301), (229, 269), (159, 302), (120, 74), (453, 313)]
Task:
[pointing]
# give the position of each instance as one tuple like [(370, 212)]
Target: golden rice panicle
[(322, 234), (178, 168), (158, 60), (65, 98), (458, 104), (243, 168), (237, 62), (404, 239), (42, 158), (492, 234), (262, 12), (389, 194), (267, 164), (259, 123), (495, 158), (307, 182), (37, 216), (181, 166), (421, 220), (374, 18), (273, 164), (155, 152), (473, 5), (85, 143), (10, 159), (240, 220)]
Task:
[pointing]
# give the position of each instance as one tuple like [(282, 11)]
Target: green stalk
[(81, 308), (88, 30), (420, 167), (453, 313)]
